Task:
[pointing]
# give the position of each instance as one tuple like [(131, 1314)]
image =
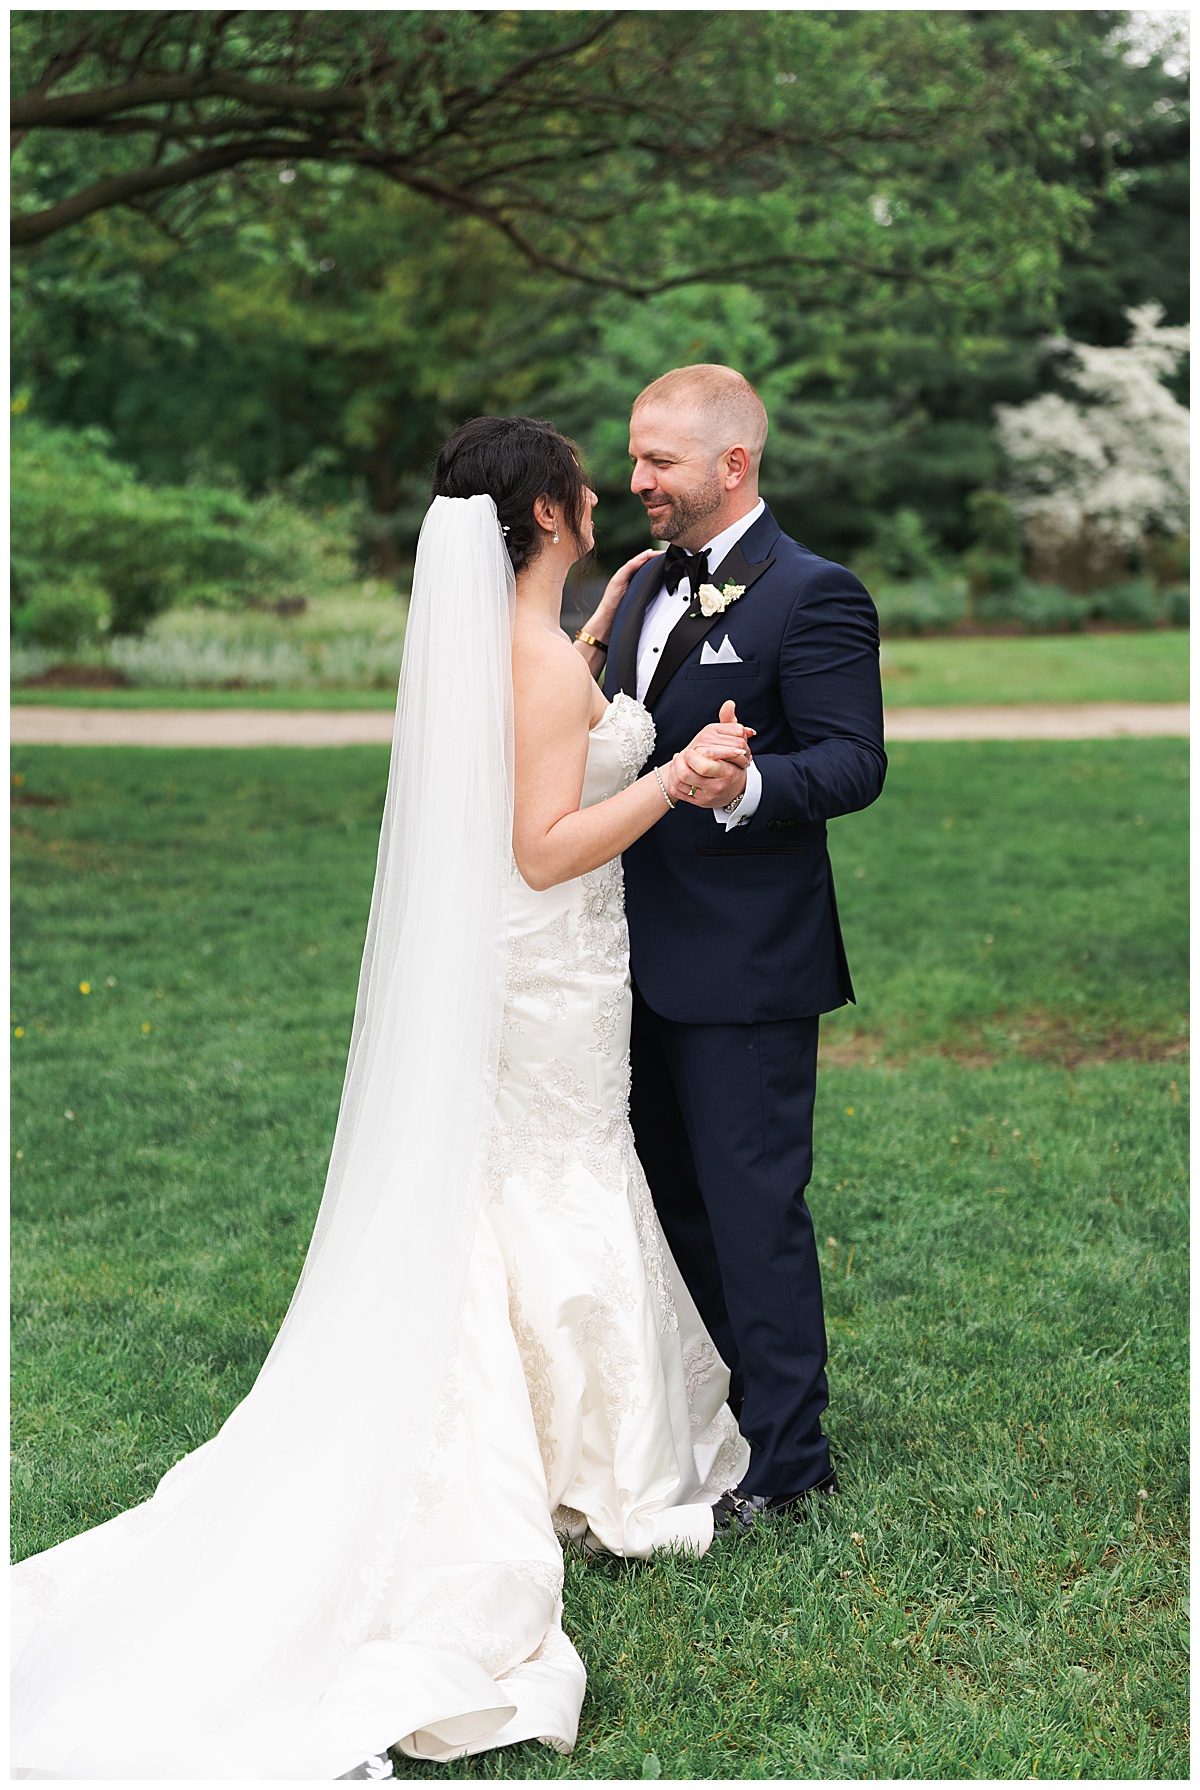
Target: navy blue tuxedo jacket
[(742, 926)]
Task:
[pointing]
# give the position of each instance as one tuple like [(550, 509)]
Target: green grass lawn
[(1000, 1197), (1134, 667), (206, 699)]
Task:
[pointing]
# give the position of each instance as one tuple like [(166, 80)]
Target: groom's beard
[(686, 511)]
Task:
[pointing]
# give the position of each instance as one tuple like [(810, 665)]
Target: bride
[(490, 1350)]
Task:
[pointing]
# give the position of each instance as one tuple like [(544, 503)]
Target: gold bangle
[(590, 640)]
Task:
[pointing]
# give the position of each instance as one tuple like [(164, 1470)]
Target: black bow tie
[(679, 564)]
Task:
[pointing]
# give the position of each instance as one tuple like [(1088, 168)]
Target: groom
[(734, 938)]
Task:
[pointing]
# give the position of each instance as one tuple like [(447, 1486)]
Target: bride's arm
[(553, 838), (599, 623)]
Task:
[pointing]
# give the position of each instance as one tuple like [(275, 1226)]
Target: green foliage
[(1048, 608), (71, 612), (1135, 603), (1003, 1243), (134, 549), (923, 173), (921, 606), (993, 562), (857, 146), (1177, 605), (1042, 608), (338, 326), (902, 548)]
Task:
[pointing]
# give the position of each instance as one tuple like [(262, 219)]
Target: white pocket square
[(725, 654)]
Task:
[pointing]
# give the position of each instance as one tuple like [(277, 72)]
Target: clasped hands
[(711, 770)]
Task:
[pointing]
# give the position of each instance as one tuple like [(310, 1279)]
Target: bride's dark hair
[(514, 460)]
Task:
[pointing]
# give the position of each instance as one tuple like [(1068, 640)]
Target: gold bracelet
[(590, 640), (663, 787)]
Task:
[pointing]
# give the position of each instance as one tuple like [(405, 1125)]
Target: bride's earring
[(556, 534)]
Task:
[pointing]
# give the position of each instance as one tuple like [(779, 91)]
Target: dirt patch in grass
[(1039, 1037), (69, 676), (20, 797)]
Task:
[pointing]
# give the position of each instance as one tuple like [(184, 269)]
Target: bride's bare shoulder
[(548, 673)]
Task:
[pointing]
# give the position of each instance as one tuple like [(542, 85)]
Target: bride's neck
[(540, 591)]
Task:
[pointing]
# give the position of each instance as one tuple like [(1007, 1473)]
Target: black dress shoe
[(735, 1514)]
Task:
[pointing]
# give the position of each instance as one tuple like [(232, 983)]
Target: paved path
[(44, 725), (1041, 721)]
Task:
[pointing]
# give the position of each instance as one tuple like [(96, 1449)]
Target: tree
[(632, 150), (340, 323), (1093, 473)]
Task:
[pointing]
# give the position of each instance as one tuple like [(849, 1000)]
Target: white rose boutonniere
[(716, 602)]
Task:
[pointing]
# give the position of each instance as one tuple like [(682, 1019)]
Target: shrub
[(1135, 602), (1176, 605), (148, 547), (1041, 608), (75, 612), (902, 550), (921, 606), (993, 563)]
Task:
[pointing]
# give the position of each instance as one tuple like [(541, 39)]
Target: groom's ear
[(739, 464)]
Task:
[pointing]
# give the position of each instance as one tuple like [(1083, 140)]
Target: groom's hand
[(714, 764), (728, 731)]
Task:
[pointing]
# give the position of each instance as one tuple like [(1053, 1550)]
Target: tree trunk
[(384, 494)]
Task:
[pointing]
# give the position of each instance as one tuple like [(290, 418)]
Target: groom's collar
[(724, 543), (747, 560)]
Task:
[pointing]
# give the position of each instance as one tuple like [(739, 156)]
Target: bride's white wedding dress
[(583, 1399)]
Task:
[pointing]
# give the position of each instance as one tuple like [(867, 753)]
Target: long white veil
[(198, 1634)]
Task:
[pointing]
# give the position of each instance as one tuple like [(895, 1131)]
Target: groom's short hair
[(727, 403)]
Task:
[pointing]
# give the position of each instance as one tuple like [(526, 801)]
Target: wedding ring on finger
[(692, 790)]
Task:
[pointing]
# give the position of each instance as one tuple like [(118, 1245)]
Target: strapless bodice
[(618, 747)]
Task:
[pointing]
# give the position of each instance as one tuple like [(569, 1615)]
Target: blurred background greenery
[(267, 261)]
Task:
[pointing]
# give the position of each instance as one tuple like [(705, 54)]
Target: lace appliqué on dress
[(535, 1361), (608, 1016), (448, 1619), (700, 1363), (600, 1330), (535, 967), (557, 1127), (603, 934), (633, 725), (729, 1464), (651, 1241)]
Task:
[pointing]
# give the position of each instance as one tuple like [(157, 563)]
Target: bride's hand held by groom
[(714, 764)]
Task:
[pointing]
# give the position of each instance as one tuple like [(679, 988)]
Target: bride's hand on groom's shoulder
[(615, 589)]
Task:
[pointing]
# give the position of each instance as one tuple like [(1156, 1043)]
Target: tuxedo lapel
[(693, 625), (636, 603)]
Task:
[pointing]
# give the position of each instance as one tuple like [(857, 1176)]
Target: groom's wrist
[(740, 809)]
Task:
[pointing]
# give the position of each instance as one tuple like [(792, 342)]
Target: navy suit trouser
[(722, 1116)]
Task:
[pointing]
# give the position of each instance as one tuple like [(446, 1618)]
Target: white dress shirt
[(669, 607)]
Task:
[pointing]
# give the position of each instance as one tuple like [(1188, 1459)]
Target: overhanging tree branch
[(554, 131)]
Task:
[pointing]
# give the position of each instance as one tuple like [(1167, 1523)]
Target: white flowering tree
[(1093, 473)]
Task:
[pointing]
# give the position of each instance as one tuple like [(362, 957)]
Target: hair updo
[(514, 460)]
